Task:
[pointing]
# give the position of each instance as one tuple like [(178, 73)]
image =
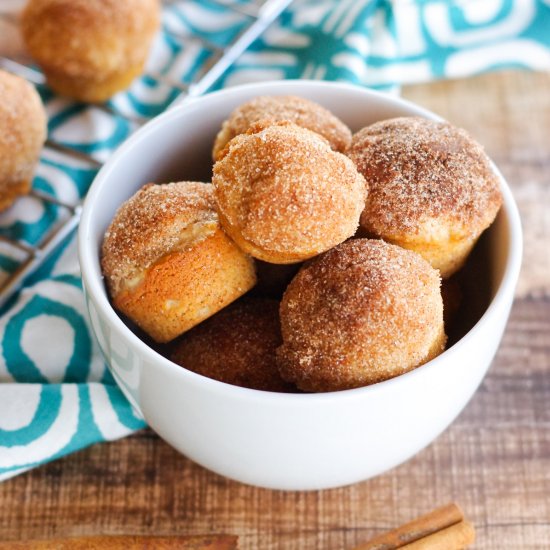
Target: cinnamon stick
[(128, 542), (455, 537), (422, 527)]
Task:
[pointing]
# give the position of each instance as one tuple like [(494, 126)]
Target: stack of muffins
[(313, 261)]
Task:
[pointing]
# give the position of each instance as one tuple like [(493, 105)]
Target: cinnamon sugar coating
[(151, 224), (361, 313), (236, 346), (432, 187), (300, 111), (283, 195), (90, 49), (22, 135), (167, 263)]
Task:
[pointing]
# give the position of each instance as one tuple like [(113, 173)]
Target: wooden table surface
[(494, 460)]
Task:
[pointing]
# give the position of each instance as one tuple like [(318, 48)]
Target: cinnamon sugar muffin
[(167, 263), (236, 346), (22, 135), (90, 49), (300, 111), (283, 195), (361, 313), (431, 188)]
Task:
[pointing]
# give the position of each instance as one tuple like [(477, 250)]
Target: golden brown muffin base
[(446, 256), (13, 191), (185, 287), (91, 90)]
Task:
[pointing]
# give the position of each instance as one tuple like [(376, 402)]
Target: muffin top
[(420, 170), (360, 313), (300, 111), (282, 192)]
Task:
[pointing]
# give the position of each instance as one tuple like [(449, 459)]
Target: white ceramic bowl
[(282, 441)]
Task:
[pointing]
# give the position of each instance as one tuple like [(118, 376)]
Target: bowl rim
[(95, 288)]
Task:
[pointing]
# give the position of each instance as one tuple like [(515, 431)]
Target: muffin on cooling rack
[(22, 135), (90, 49)]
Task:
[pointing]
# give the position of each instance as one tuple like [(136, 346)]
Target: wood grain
[(494, 460), (128, 542)]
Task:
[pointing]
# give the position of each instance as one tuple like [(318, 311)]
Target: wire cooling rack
[(257, 17)]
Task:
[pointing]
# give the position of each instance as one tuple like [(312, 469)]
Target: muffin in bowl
[(284, 440)]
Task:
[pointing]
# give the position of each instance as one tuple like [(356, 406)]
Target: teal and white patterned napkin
[(56, 395)]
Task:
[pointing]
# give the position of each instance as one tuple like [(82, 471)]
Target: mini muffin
[(23, 132), (283, 195), (300, 111), (236, 346), (90, 49), (167, 263), (431, 188), (361, 313)]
